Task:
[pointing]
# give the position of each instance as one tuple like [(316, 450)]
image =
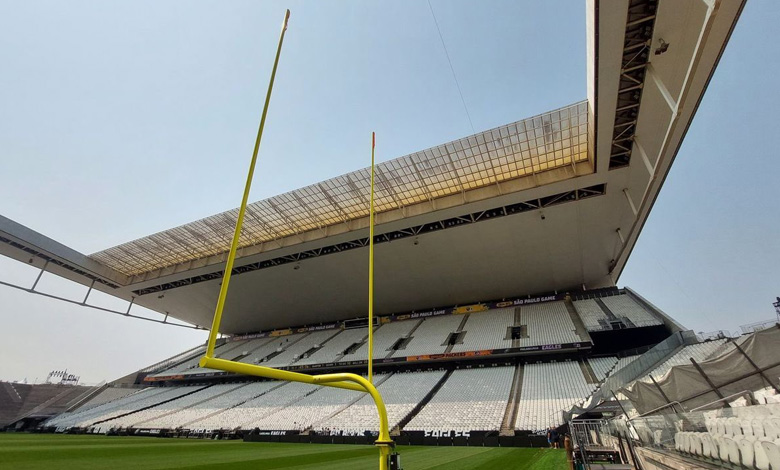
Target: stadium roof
[(545, 142), (549, 203)]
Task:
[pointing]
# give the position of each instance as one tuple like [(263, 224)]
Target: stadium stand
[(22, 404), (175, 360), (11, 401), (487, 330), (470, 400), (592, 315), (548, 323), (220, 397), (384, 338), (277, 399), (431, 336), (549, 388), (162, 415), (294, 349), (401, 393), (106, 395), (603, 366), (261, 349), (749, 440), (463, 399), (624, 361), (147, 397), (191, 365), (315, 405), (232, 409), (335, 347), (698, 352), (623, 306)]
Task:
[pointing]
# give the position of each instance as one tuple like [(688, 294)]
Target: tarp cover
[(730, 372)]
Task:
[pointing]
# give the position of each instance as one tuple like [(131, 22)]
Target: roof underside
[(534, 145)]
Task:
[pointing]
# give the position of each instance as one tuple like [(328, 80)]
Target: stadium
[(496, 315)]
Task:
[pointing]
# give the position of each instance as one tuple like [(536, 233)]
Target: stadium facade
[(497, 262)]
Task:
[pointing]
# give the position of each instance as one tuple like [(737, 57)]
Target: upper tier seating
[(401, 393), (190, 354), (549, 388), (230, 350), (431, 336), (548, 323), (470, 400), (192, 364), (592, 315), (268, 347), (624, 306), (335, 347), (293, 351), (487, 330), (384, 338)]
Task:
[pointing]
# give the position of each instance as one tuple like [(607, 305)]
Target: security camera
[(662, 48)]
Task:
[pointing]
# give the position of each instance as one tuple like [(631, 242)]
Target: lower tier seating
[(548, 389), (470, 400), (401, 394), (144, 398)]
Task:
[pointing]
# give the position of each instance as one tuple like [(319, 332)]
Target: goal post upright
[(345, 381), (371, 269)]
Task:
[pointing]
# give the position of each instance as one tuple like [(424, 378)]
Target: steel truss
[(633, 69)]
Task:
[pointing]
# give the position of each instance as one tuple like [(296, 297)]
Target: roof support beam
[(630, 202), (671, 102), (643, 154), (620, 236)]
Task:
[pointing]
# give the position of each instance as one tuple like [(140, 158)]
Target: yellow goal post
[(345, 381)]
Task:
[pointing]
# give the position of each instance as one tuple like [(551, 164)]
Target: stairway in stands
[(510, 415), (581, 331), (422, 403), (460, 328)]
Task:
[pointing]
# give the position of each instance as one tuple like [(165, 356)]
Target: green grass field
[(49, 451)]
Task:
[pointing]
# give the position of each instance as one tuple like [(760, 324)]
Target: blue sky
[(122, 119)]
